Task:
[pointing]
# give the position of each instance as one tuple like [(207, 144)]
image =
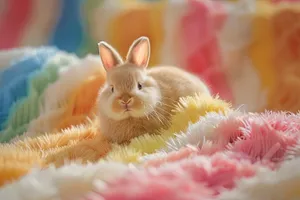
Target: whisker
[(165, 119), (164, 104), (158, 115), (163, 110)]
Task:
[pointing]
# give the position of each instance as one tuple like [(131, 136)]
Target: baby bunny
[(136, 100)]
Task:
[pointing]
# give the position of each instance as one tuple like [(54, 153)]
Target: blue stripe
[(14, 79), (68, 33)]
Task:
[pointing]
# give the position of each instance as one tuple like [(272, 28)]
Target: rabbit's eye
[(140, 86), (112, 88)]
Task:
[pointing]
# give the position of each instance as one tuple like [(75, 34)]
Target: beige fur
[(150, 106)]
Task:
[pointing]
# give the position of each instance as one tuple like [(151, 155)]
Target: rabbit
[(135, 100)]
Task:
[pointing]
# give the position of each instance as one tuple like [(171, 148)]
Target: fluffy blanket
[(52, 146)]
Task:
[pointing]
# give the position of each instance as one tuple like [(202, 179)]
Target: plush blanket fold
[(51, 146)]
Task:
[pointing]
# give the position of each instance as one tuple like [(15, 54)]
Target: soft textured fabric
[(209, 149), (13, 55), (85, 143), (200, 46), (274, 52), (27, 109), (14, 79), (213, 150), (70, 99), (230, 44), (227, 156)]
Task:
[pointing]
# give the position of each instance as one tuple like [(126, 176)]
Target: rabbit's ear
[(109, 56), (139, 52)]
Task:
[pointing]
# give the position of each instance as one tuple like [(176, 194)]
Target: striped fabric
[(246, 51)]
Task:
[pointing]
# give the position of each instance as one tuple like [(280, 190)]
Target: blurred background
[(233, 45)]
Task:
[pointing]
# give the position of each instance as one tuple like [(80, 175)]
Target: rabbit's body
[(136, 100), (175, 82)]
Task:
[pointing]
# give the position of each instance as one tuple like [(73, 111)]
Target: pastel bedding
[(240, 143)]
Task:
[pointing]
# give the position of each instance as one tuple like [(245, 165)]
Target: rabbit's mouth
[(127, 112)]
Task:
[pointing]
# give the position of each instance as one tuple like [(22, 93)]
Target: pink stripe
[(13, 22), (201, 51)]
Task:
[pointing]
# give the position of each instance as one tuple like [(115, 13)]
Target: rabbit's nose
[(125, 100), (126, 103)]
